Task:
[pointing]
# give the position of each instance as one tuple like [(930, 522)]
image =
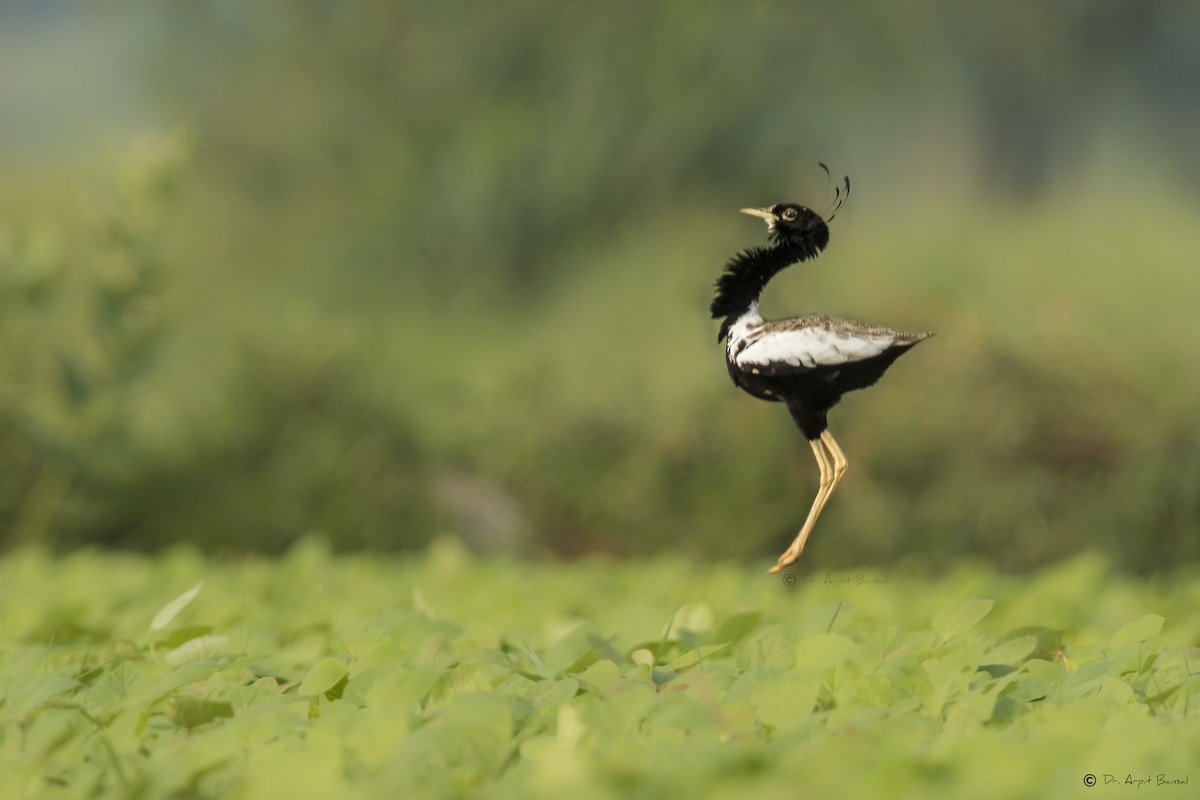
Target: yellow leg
[(793, 552), (840, 464), (833, 464)]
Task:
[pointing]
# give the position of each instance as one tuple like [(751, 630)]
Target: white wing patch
[(812, 347)]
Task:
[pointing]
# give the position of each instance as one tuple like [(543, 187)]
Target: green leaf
[(1011, 651), (1139, 630), (624, 706), (323, 676), (37, 692), (682, 712), (947, 678), (772, 646), (191, 712), (1049, 670), (474, 729), (736, 627), (199, 648), (577, 651), (556, 692), (694, 617), (501, 659), (660, 649), (1041, 679), (1118, 691), (1087, 677), (643, 658), (167, 613), (823, 650), (182, 634), (392, 687), (117, 684), (1049, 641), (960, 618), (786, 696)]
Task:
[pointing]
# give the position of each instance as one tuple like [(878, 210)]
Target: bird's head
[(789, 223)]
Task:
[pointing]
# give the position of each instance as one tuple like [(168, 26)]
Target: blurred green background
[(382, 272)]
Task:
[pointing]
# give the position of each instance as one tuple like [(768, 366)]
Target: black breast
[(810, 392)]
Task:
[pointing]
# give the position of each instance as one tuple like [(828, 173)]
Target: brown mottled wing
[(802, 344)]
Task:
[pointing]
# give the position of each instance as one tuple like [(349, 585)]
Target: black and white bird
[(807, 362)]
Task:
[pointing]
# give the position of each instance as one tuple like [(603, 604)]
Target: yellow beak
[(764, 213)]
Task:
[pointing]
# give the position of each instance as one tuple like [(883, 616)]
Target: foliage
[(388, 271), (107, 430), (81, 330), (316, 675), (1029, 428)]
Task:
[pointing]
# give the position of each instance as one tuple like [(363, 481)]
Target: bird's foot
[(785, 560)]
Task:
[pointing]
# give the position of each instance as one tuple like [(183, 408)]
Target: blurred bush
[(80, 332), (446, 266)]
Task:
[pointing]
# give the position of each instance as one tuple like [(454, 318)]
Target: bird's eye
[(789, 214)]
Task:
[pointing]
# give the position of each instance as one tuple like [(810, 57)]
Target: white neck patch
[(749, 321)]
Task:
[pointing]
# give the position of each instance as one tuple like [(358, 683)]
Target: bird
[(806, 362)]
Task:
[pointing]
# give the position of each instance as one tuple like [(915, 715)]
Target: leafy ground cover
[(315, 675)]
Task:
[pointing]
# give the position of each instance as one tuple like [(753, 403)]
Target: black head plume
[(841, 193)]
